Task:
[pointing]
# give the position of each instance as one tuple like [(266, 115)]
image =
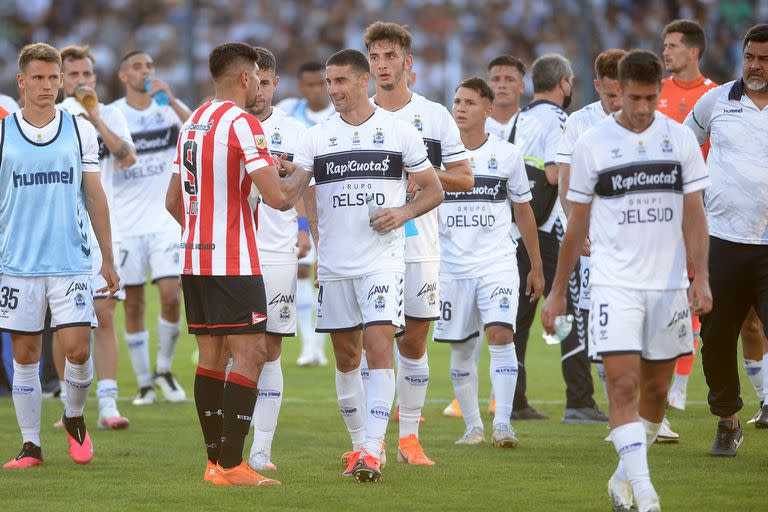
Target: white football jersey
[(443, 142), (350, 164), (541, 150), (476, 235), (575, 126), (501, 130), (636, 183), (277, 230), (140, 189), (115, 120)]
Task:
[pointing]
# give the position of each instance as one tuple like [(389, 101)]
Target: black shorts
[(223, 305)]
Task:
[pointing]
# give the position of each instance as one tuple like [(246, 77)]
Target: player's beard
[(396, 79), (757, 84)]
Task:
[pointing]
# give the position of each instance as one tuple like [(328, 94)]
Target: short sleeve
[(552, 140), (450, 141), (89, 145), (176, 165), (695, 174), (583, 174), (118, 124), (700, 116), (567, 141), (518, 188), (415, 157), (249, 138), (304, 155)]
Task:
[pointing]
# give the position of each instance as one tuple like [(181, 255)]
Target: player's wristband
[(303, 225)]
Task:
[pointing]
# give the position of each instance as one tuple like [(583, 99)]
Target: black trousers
[(738, 276), (574, 360)]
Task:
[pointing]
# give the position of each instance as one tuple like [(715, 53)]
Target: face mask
[(566, 101)]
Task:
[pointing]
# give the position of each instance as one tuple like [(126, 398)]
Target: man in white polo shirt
[(735, 118)]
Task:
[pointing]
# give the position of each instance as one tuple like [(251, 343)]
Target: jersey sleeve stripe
[(579, 192), (417, 164), (696, 180)]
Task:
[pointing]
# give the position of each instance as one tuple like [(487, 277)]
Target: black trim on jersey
[(340, 329), (363, 122), (288, 156), (155, 280), (616, 118), (374, 160), (156, 140), (2, 138), (445, 340), (422, 318), (618, 352), (487, 138), (281, 334), (579, 192), (79, 140), (61, 123), (666, 360), (694, 181), (486, 188), (434, 151), (397, 109), (625, 179), (72, 324), (737, 90), (271, 111), (26, 333), (419, 163), (503, 324), (383, 322)]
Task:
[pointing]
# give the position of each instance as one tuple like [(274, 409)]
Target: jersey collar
[(737, 90), (541, 102)]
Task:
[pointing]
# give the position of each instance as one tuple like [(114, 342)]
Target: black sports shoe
[(30, 456), (728, 439), (528, 413), (761, 419), (75, 427), (584, 415)]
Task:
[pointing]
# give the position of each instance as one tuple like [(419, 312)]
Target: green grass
[(157, 464)]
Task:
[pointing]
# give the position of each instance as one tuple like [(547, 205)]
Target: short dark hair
[(350, 57), (507, 60), (385, 31), (607, 64), (693, 34), (311, 66), (38, 51), (227, 54), (131, 54), (640, 66), (74, 52), (757, 34), (266, 60), (478, 85), (548, 70)]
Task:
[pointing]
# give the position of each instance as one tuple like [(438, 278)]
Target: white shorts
[(584, 300), (356, 303), (280, 290), (656, 324), (158, 252), (25, 300), (422, 290), (468, 306), (97, 281)]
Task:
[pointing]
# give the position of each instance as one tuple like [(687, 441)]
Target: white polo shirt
[(737, 201)]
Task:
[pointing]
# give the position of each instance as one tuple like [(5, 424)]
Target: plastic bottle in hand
[(160, 97), (373, 208), (85, 97), (563, 326)]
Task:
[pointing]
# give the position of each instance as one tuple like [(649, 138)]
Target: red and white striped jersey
[(219, 147)]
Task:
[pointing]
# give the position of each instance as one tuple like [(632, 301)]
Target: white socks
[(138, 349), (167, 338), (601, 375), (412, 380), (381, 394), (27, 400), (754, 370), (351, 396), (631, 442), (504, 379), (106, 391), (267, 408), (78, 379), (464, 377)]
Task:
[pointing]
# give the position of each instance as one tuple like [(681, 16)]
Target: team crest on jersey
[(276, 139), (666, 145), (79, 300), (417, 123), (493, 164), (380, 302), (378, 137), (641, 148), (472, 163), (356, 139), (261, 142), (504, 303), (683, 332), (285, 313), (257, 318)]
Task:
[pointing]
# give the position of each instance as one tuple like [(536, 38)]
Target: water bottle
[(563, 326), (160, 97), (373, 208), (85, 97), (410, 226)]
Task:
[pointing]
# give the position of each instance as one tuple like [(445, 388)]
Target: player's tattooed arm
[(123, 151)]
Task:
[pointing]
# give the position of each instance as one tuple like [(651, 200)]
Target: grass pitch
[(157, 464)]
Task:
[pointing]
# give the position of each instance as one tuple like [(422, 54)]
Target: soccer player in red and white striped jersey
[(222, 154)]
